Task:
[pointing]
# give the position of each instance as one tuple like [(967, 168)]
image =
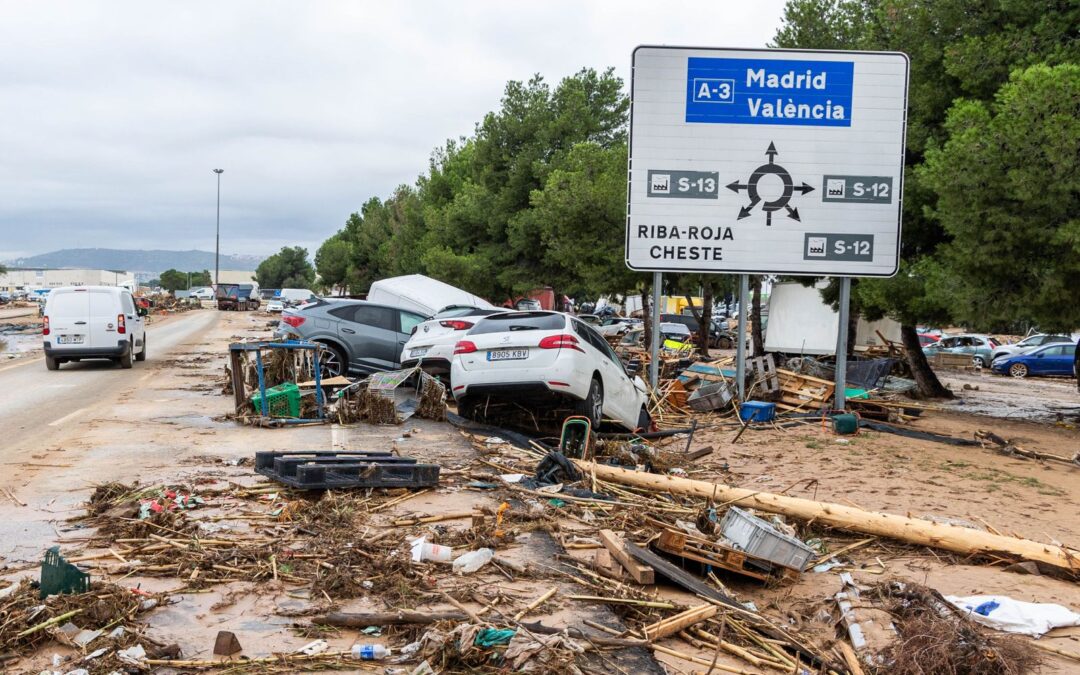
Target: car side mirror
[(142, 311)]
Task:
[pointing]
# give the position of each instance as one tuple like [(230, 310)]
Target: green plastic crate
[(281, 401)]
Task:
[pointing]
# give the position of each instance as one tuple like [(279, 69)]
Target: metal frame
[(237, 348)]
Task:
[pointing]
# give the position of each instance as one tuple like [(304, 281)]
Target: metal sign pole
[(654, 339), (842, 343), (740, 338)]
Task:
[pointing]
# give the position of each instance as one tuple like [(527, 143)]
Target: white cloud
[(114, 113)]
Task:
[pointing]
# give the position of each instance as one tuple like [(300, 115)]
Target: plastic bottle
[(375, 652), (473, 560)]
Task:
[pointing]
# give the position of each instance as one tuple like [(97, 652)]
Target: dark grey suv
[(366, 336)]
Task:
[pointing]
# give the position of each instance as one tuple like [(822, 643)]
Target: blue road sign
[(769, 91)]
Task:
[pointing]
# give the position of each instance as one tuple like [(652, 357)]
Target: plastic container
[(422, 550), (761, 540), (375, 652), (757, 411), (473, 560), (710, 397), (281, 401), (845, 424)]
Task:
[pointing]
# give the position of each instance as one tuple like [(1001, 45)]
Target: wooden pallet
[(764, 373), (711, 553), (803, 391)]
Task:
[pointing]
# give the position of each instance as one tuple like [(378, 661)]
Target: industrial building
[(33, 278)]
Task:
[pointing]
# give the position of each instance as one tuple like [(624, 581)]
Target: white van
[(296, 296), (93, 322)]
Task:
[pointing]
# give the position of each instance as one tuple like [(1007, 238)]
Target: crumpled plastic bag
[(529, 652), (1014, 616)]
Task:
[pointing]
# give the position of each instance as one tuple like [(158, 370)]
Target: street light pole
[(217, 230)]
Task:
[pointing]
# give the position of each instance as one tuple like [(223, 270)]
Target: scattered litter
[(472, 561), (1014, 616), (374, 652), (422, 550), (136, 655)]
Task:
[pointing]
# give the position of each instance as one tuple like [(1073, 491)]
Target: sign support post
[(654, 338), (740, 349), (842, 343)]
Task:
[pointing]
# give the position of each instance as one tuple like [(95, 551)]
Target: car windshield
[(519, 321)]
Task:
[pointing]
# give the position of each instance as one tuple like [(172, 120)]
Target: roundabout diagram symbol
[(780, 201)]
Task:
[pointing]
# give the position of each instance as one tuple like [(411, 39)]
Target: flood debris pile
[(100, 623)]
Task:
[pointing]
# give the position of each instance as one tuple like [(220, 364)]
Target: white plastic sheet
[(1014, 616)]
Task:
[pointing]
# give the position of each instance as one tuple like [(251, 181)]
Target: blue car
[(1056, 359)]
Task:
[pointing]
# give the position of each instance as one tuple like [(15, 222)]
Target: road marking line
[(65, 418), (22, 363)]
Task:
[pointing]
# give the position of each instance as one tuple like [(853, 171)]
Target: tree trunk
[(702, 332), (927, 383), (963, 540), (757, 339)]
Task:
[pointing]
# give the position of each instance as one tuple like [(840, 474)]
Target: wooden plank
[(643, 574), (681, 621)]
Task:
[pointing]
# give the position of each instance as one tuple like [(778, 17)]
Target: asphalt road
[(37, 406), (17, 312)]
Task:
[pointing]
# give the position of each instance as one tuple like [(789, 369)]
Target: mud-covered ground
[(164, 425)]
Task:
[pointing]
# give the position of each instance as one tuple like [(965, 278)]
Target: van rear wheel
[(125, 358), (141, 356), (52, 363)]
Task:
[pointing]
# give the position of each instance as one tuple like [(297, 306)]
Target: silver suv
[(362, 337)]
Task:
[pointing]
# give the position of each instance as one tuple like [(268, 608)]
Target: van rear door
[(104, 315), (69, 318)]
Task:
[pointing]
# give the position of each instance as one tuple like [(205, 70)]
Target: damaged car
[(543, 359)]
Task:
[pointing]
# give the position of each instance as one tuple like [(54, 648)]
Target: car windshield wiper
[(517, 328)]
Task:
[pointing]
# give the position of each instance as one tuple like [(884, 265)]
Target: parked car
[(927, 339), (718, 336), (980, 347), (361, 336), (276, 305), (545, 359), (1052, 359), (93, 322), (296, 296), (1030, 343), (202, 293), (590, 319), (269, 293), (528, 305), (432, 342)]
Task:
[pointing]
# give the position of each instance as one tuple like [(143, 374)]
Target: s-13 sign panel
[(766, 161)]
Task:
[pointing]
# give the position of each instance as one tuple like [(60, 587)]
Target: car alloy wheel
[(331, 363), (979, 362), (1018, 370), (596, 402)]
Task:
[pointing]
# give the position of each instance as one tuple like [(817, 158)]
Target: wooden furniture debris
[(764, 375), (803, 392), (226, 644), (954, 538), (642, 574), (681, 621), (684, 545)]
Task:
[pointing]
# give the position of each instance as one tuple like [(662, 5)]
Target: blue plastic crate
[(757, 411)]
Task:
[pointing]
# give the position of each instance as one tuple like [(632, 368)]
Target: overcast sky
[(112, 114)]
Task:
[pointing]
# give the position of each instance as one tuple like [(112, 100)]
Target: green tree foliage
[(470, 220), (1008, 194), (174, 280), (288, 268), (200, 278), (332, 262)]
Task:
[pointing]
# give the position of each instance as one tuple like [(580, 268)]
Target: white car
[(203, 293), (93, 322), (1029, 344), (545, 358), (275, 305), (431, 345), (617, 325)]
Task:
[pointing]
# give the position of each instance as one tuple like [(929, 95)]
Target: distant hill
[(146, 262)]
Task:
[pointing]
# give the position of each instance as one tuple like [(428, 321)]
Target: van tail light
[(293, 320), (121, 327), (563, 341), (456, 324), (464, 347), (45, 327)]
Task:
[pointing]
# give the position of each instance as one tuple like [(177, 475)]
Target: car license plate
[(69, 340), (417, 353), (508, 354)]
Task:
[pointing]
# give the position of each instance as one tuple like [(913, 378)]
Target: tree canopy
[(288, 268)]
